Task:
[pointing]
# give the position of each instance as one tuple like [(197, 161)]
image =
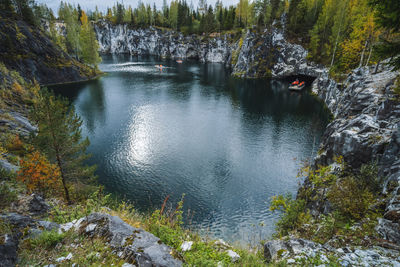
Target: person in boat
[(296, 82), (301, 84)]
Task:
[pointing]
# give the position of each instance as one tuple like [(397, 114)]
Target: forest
[(341, 35)]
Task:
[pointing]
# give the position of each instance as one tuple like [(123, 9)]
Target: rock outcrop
[(29, 51), (119, 39), (365, 130)]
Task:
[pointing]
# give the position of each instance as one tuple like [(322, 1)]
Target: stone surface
[(66, 258), (32, 204), (8, 166), (17, 220), (365, 129), (233, 255), (8, 251), (186, 246), (294, 250), (132, 244)]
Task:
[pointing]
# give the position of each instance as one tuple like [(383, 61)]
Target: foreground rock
[(297, 251), (8, 251), (19, 223), (132, 244)]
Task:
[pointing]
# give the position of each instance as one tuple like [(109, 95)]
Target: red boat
[(297, 85)]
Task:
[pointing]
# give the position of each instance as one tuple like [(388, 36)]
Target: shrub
[(7, 196), (39, 175), (47, 239), (369, 178), (15, 145), (294, 213), (351, 198), (396, 87)]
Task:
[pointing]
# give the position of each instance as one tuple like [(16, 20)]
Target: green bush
[(350, 198), (7, 196), (47, 239), (396, 87), (294, 213)]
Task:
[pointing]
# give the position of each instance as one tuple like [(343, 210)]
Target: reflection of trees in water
[(93, 105), (91, 100)]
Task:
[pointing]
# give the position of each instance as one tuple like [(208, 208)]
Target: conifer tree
[(388, 17), (7, 7), (59, 138), (88, 42), (25, 11)]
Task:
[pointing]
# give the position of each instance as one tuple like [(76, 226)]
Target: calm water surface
[(228, 144)]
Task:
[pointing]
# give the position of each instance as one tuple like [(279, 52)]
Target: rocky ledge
[(297, 251), (132, 244)]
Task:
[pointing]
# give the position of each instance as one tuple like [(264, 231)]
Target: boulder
[(17, 220), (8, 251), (8, 166), (32, 204), (131, 244), (279, 249)]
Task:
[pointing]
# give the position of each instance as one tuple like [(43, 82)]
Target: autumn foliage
[(39, 175), (16, 145)]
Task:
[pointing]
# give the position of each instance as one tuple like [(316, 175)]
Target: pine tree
[(7, 7), (72, 27), (88, 42), (25, 11), (388, 17), (59, 138)]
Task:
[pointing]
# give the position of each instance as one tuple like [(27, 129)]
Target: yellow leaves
[(38, 174), (84, 18), (280, 202), (17, 88)]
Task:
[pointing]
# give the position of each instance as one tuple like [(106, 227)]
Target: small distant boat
[(159, 67), (297, 86), (179, 61)]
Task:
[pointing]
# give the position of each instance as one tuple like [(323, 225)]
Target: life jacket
[(301, 83), (295, 82)]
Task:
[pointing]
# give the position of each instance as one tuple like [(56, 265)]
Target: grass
[(167, 225), (49, 246)]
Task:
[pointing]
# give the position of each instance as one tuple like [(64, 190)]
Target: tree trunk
[(376, 67), (337, 38), (63, 180), (362, 53), (369, 56)]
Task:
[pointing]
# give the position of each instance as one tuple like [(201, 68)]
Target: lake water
[(228, 144)]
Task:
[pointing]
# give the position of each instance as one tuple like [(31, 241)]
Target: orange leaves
[(38, 174), (84, 18)]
